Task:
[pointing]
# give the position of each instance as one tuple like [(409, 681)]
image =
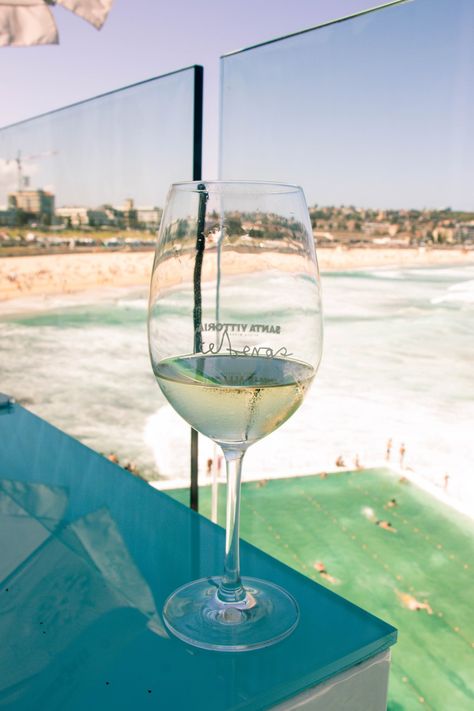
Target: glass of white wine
[(235, 339)]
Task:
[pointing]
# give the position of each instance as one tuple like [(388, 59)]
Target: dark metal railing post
[(197, 171)]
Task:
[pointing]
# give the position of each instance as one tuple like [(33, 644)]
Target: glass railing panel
[(388, 91), (372, 116), (81, 194)]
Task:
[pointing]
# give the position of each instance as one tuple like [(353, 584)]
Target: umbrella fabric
[(30, 22), (94, 11), (26, 22)]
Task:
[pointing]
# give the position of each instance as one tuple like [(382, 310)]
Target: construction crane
[(23, 181)]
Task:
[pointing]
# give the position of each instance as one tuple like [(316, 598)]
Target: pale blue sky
[(377, 111)]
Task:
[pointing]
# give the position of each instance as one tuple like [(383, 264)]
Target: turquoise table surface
[(88, 555)]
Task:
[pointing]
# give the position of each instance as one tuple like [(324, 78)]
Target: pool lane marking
[(454, 628), (398, 515), (375, 556), (416, 529), (278, 538), (413, 688)]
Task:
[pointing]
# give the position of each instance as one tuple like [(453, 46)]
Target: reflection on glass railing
[(81, 195), (96, 173)]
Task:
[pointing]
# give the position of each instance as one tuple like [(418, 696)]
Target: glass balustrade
[(87, 184)]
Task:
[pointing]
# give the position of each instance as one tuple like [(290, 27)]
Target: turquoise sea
[(398, 363)]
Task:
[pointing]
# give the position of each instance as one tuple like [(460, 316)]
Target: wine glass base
[(195, 614)]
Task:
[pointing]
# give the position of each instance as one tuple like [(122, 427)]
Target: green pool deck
[(429, 556)]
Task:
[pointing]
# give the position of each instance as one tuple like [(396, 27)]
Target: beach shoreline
[(67, 274)]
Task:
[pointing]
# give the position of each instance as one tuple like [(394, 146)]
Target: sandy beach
[(58, 274), (72, 273)]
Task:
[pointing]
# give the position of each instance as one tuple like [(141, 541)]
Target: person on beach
[(131, 467), (340, 461), (446, 481), (388, 450), (357, 463), (209, 467), (321, 568), (402, 456)]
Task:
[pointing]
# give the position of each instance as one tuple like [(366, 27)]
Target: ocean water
[(398, 363)]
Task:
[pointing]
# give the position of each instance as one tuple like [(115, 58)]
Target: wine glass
[(235, 339)]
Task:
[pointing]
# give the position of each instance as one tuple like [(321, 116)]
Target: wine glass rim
[(218, 186)]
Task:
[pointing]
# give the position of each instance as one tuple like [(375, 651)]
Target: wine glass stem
[(231, 589)]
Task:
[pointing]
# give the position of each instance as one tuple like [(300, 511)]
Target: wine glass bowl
[(235, 339)]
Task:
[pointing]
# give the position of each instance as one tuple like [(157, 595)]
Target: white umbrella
[(29, 22)]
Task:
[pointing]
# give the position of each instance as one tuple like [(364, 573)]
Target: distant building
[(31, 205), (129, 213), (126, 216), (148, 217), (73, 216), (379, 228), (7, 217), (465, 232), (444, 234), (79, 216), (139, 217)]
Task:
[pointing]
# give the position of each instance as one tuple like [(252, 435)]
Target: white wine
[(234, 399)]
